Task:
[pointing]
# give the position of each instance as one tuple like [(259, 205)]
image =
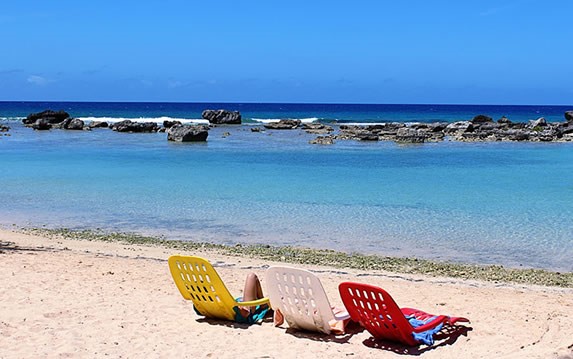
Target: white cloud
[(174, 84), (37, 80)]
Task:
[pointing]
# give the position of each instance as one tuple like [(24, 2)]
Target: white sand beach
[(78, 299)]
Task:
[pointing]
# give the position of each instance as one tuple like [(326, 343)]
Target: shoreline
[(327, 257), (89, 298)]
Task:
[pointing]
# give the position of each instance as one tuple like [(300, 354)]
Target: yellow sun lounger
[(198, 281)]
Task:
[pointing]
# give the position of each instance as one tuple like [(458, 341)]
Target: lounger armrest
[(439, 319), (254, 303), (342, 316)]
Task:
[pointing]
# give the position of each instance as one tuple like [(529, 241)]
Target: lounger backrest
[(198, 281), (300, 297), (375, 309)]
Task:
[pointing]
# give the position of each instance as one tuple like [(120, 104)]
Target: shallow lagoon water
[(502, 203)]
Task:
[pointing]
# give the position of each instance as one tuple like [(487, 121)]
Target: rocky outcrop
[(322, 140), (4, 128), (283, 125), (569, 116), (73, 124), (536, 124), (317, 128), (98, 124), (482, 128), (169, 124), (42, 124), (481, 119), (130, 126), (188, 133), (504, 121), (222, 117), (459, 127), (410, 135), (48, 116)]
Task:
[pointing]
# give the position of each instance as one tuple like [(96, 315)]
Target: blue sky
[(464, 52)]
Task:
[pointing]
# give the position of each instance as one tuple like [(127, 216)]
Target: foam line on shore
[(270, 120), (298, 255), (158, 120)]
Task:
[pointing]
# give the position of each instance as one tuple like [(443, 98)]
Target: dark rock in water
[(42, 124), (73, 124), (222, 117), (517, 125), (459, 127), (256, 129), (4, 128), (317, 128), (504, 120), (368, 133), (488, 126), (517, 135), (569, 116), (410, 135), (99, 124), (187, 133), (537, 124), (481, 119), (322, 140), (169, 124), (437, 126), (130, 126), (283, 125), (365, 136), (49, 115), (564, 129), (546, 136)]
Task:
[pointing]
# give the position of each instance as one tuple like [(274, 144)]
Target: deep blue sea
[(502, 203)]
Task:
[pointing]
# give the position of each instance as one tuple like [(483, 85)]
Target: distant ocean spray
[(502, 203)]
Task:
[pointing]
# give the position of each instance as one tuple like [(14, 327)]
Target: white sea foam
[(12, 118), (363, 123), (158, 120), (269, 120)]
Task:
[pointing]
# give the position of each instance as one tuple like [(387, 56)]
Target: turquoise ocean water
[(503, 203)]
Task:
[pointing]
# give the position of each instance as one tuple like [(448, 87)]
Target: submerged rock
[(322, 140), (188, 133), (4, 128), (222, 117), (283, 125), (317, 128)]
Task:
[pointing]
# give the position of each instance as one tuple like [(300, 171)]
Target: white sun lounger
[(300, 297)]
